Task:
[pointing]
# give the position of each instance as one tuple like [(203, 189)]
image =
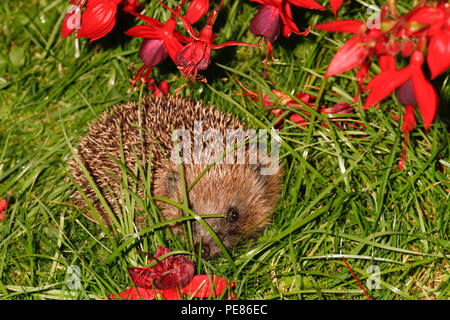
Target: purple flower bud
[(152, 52), (405, 94), (266, 23)]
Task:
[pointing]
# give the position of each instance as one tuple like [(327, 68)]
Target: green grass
[(343, 196)]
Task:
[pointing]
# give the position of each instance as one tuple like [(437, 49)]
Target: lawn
[(344, 203)]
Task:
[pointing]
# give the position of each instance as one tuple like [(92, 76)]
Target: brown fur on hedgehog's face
[(240, 193)]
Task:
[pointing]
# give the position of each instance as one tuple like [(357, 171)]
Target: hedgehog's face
[(239, 193)]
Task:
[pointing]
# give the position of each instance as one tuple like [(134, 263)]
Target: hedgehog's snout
[(205, 250), (203, 241)]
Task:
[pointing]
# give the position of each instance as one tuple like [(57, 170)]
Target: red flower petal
[(340, 107), (3, 204), (140, 293), (145, 32), (164, 86), (204, 286), (196, 53), (142, 277), (335, 4), (438, 57), (351, 26), (196, 10), (386, 62), (350, 55), (288, 25), (426, 97), (298, 119), (384, 83), (429, 15), (148, 20), (409, 120), (308, 4)]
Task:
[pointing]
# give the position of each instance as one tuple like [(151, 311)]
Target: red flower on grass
[(282, 9), (384, 83), (160, 41), (196, 54), (425, 28), (274, 17), (308, 100), (412, 89), (3, 204), (156, 91), (172, 278)]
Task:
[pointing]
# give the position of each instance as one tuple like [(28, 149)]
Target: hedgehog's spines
[(221, 186)]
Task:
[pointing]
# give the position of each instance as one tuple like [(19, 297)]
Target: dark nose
[(205, 250)]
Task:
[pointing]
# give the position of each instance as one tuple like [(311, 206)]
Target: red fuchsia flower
[(408, 36), (387, 81), (172, 278), (156, 91), (196, 55), (307, 99), (274, 17), (160, 40), (356, 52), (283, 8), (171, 272), (3, 204), (433, 23), (396, 36), (97, 19), (266, 23)]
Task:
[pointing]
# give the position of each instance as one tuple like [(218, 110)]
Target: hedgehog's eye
[(233, 215)]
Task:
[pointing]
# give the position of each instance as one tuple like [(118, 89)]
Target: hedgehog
[(143, 134)]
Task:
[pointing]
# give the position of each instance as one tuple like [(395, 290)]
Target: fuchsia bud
[(266, 23), (130, 5), (196, 10), (98, 19)]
